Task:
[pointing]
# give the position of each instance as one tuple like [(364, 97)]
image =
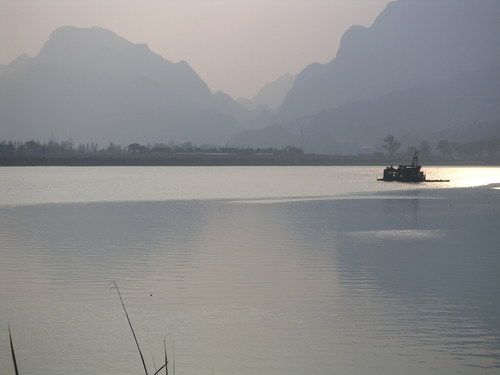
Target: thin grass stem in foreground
[(13, 353), (131, 328), (166, 356)]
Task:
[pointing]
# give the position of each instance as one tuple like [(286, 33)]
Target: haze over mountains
[(464, 101), (424, 66), (91, 84), (410, 43), (272, 95), (349, 103)]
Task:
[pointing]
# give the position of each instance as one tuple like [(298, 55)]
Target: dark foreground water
[(321, 272)]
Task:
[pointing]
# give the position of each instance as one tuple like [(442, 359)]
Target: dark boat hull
[(407, 173)]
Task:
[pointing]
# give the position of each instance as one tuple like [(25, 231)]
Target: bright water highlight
[(250, 270)]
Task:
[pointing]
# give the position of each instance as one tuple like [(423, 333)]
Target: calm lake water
[(250, 270)]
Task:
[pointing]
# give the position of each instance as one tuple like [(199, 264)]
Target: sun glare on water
[(465, 176)]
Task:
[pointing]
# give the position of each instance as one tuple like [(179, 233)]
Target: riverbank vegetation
[(53, 152)]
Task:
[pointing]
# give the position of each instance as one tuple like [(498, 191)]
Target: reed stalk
[(12, 352), (173, 357), (153, 359), (161, 368), (166, 356), (132, 329)]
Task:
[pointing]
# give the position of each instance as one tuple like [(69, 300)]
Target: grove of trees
[(55, 149), (487, 149)]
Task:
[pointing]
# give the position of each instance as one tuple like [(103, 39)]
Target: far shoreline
[(235, 160)]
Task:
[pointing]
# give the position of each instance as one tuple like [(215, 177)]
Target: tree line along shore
[(66, 153)]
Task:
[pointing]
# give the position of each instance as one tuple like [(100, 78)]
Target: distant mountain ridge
[(475, 132), (423, 66), (410, 43), (103, 51), (270, 96), (91, 84), (412, 115)]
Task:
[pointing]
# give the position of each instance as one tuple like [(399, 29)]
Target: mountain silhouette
[(412, 42), (270, 96), (92, 85), (412, 115), (422, 67)]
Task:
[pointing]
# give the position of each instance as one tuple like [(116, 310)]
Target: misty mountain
[(412, 115), (270, 96), (224, 103), (92, 85), (18, 65), (275, 136), (471, 133), (412, 42)]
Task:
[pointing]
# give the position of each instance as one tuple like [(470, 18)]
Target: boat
[(407, 173)]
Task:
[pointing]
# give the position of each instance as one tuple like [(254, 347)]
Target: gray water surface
[(249, 270)]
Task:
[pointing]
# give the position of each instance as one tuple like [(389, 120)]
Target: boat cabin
[(405, 173)]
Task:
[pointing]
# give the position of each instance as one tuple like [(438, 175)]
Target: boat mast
[(414, 160)]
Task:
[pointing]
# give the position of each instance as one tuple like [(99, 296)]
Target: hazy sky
[(235, 45)]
